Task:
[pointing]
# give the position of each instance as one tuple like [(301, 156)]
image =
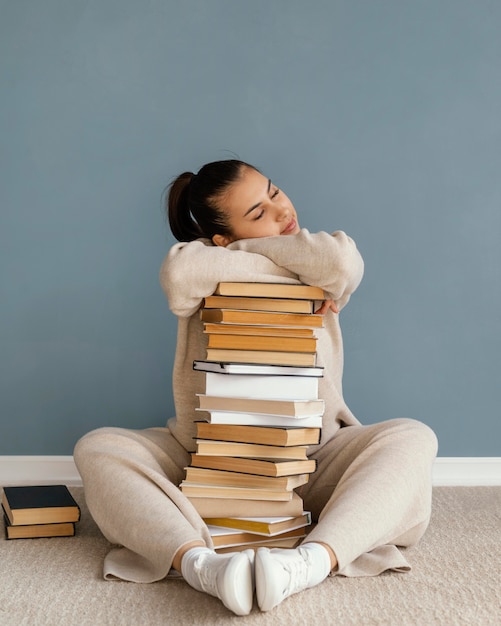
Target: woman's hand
[(326, 306)]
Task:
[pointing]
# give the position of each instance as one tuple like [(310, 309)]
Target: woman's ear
[(221, 240)]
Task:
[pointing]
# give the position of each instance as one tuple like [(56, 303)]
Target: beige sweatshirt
[(191, 271)]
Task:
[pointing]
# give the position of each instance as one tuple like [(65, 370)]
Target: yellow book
[(265, 331), (192, 490), (262, 467), (261, 318), (268, 526), (287, 408), (256, 342), (225, 537), (259, 304), (273, 542), (35, 531), (233, 507), (265, 357), (271, 290), (250, 450), (259, 434), (200, 475)]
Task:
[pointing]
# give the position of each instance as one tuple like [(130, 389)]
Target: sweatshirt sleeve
[(331, 262), (192, 271)]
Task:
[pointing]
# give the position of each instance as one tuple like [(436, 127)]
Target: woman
[(372, 488)]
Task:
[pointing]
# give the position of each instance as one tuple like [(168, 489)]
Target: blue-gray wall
[(381, 118)]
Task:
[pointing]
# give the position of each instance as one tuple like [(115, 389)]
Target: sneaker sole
[(239, 585), (265, 600)]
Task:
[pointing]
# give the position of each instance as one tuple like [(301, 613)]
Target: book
[(264, 387), (288, 408), (256, 369), (266, 318), (256, 342), (212, 507), (268, 357), (271, 290), (259, 304), (226, 537), (263, 331), (201, 475), (256, 419), (192, 490), (250, 450), (259, 434), (37, 531), (268, 526), (262, 467), (39, 504), (273, 542)]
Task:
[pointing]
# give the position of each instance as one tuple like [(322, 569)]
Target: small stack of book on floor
[(261, 411), (39, 511)]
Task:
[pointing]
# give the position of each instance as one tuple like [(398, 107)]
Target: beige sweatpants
[(370, 493)]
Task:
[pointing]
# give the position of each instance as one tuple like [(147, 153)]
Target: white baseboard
[(39, 470), (467, 471), (28, 470)]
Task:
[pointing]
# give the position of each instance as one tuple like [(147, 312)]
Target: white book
[(254, 369), (289, 408), (249, 386), (256, 419)]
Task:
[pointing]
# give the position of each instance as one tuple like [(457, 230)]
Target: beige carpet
[(456, 579)]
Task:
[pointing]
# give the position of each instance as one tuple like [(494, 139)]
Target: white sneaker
[(229, 577), (281, 573)]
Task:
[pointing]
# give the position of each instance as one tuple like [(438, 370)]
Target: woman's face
[(255, 207)]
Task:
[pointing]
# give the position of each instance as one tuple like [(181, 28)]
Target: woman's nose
[(282, 213)]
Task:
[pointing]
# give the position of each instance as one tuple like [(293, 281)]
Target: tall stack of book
[(39, 511), (261, 411)]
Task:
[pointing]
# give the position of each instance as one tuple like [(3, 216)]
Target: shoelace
[(298, 573), (208, 578)]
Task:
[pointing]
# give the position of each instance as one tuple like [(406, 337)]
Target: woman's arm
[(328, 261), (192, 271)]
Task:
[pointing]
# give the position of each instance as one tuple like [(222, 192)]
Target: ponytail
[(182, 224), (192, 202)]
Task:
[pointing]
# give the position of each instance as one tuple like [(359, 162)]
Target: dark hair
[(192, 206)]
